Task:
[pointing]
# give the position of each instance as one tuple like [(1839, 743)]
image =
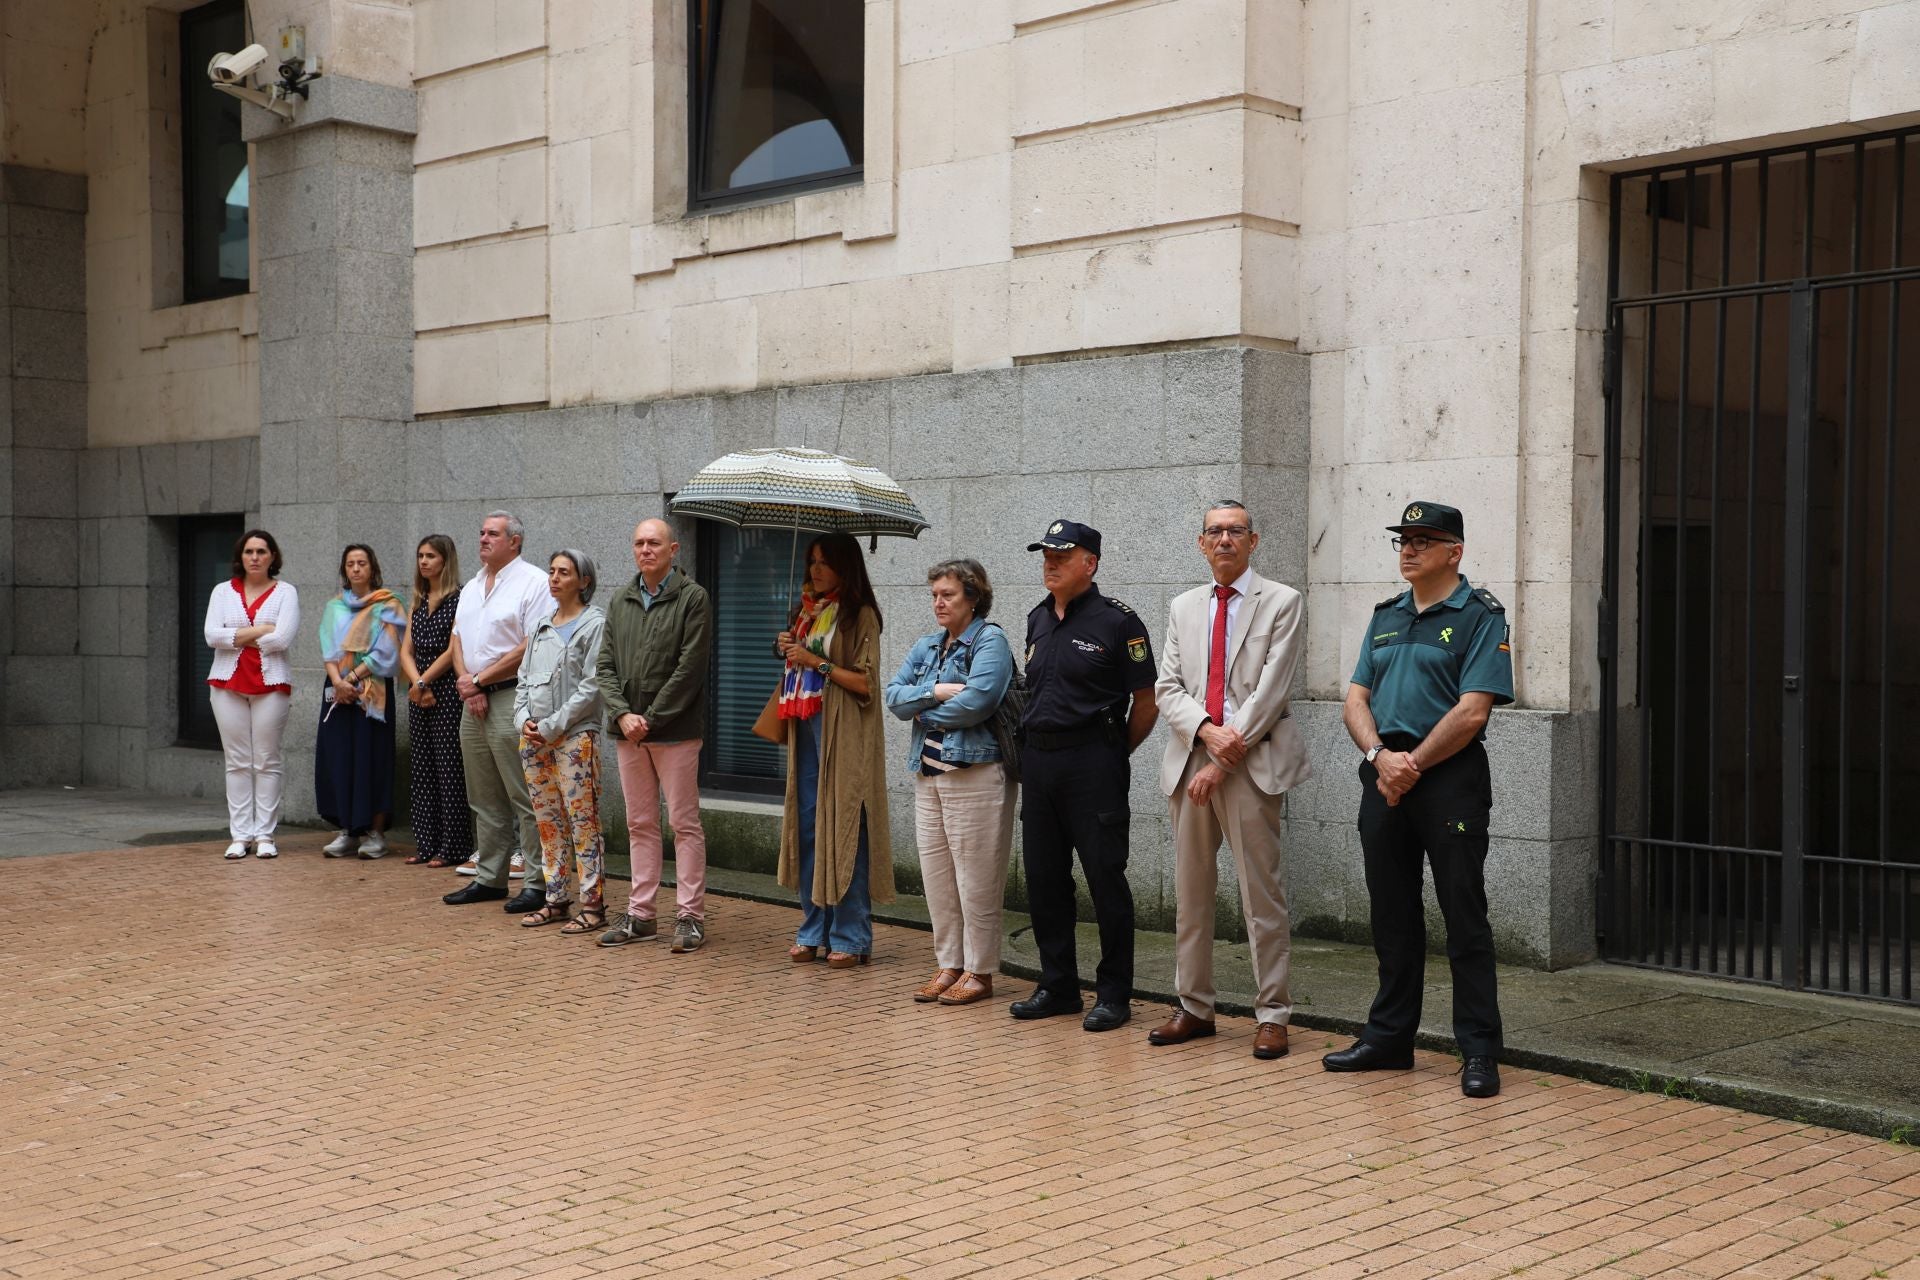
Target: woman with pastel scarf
[(353, 756), (834, 844)]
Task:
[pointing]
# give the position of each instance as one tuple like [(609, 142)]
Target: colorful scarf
[(802, 688), (355, 630)]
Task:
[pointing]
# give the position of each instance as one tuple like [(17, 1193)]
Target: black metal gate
[(1760, 617)]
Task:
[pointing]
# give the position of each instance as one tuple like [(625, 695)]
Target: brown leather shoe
[(972, 987), (1270, 1041), (936, 985), (1180, 1028)]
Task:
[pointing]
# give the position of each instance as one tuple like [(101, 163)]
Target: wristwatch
[(825, 668), (1375, 750)]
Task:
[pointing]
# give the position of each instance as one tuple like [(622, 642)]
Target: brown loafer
[(1180, 1028), (936, 986), (975, 986), (1270, 1041)]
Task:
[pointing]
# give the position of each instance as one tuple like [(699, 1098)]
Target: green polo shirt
[(1418, 664)]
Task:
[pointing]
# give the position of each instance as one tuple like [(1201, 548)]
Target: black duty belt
[(499, 686), (1066, 739)]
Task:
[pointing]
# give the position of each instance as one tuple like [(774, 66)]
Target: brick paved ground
[(313, 1069)]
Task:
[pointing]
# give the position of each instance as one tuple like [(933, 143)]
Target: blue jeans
[(847, 925)]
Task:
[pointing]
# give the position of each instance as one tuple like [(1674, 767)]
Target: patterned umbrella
[(787, 488)]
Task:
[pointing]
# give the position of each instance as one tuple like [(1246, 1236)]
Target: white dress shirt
[(1240, 586), (492, 624)]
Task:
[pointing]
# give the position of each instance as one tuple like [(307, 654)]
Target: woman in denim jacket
[(948, 688), (558, 707)]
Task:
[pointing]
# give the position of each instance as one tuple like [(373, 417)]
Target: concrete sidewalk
[(1849, 1064)]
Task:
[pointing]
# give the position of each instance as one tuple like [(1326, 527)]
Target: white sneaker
[(340, 846), (235, 851), (265, 849), (374, 846), (471, 867), (517, 869)]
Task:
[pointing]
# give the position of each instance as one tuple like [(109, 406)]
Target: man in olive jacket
[(653, 675)]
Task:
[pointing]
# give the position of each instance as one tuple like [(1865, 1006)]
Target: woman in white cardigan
[(251, 622)]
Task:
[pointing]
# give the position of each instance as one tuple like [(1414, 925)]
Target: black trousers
[(1076, 798), (1444, 819)]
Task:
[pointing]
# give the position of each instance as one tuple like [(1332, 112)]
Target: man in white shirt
[(498, 611)]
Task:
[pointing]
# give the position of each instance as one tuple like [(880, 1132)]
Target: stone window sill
[(241, 313)]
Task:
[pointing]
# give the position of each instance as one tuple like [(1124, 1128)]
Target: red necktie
[(1217, 663)]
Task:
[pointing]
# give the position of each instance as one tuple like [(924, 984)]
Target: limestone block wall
[(159, 369), (1027, 194)]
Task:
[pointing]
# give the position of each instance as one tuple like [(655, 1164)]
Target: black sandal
[(589, 920), (552, 913)]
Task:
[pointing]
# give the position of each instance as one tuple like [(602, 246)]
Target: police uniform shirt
[(1081, 665), (1418, 664)]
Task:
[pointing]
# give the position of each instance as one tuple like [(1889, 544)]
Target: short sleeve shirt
[(1418, 664), (1085, 664), (491, 624)]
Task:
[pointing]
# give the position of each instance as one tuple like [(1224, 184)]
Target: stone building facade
[(1100, 260)]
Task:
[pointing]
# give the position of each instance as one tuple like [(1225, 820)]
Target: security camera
[(234, 68)]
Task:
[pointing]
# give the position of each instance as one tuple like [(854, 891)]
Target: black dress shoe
[(1045, 1004), (1479, 1077), (475, 892), (1106, 1017), (524, 901), (1367, 1057)]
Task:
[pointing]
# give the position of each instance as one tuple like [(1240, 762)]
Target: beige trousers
[(1249, 819), (963, 823)]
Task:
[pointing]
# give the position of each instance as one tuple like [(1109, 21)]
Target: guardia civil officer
[(1090, 674), (1435, 661)]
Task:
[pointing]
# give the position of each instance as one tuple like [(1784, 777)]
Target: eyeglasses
[(1419, 543), (1215, 532)]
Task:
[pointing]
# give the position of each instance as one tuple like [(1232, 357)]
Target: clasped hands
[(1394, 774), (476, 701), (1228, 750)]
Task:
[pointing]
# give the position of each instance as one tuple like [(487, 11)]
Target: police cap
[(1065, 535), (1437, 516)]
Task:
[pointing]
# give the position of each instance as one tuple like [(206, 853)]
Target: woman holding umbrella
[(834, 844)]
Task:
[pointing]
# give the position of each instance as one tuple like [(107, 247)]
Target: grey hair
[(583, 566), (1228, 504), (515, 530)]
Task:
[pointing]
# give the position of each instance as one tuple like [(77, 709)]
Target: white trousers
[(251, 726)]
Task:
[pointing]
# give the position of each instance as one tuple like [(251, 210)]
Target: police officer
[(1090, 674), (1435, 661)]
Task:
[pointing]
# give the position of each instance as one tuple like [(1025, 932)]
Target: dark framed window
[(747, 571), (778, 97), (206, 561), (213, 160)]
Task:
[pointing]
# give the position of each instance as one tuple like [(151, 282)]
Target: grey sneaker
[(627, 929), (688, 934)]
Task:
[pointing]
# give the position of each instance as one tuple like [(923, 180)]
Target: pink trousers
[(648, 772)]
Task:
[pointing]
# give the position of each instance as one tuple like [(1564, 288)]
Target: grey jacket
[(558, 689)]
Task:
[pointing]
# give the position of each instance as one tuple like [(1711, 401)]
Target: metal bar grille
[(1760, 420)]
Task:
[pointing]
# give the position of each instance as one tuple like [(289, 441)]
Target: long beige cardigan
[(853, 773)]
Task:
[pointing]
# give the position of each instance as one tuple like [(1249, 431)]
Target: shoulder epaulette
[(1389, 602), (1488, 599), (1121, 605)]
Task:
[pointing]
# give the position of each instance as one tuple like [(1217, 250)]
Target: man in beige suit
[(1232, 752)]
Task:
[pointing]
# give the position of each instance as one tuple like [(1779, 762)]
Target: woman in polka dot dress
[(442, 822)]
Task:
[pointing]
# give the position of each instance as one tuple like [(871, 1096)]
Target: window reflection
[(213, 159), (778, 94)]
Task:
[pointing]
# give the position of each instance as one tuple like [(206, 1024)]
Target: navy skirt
[(353, 764)]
